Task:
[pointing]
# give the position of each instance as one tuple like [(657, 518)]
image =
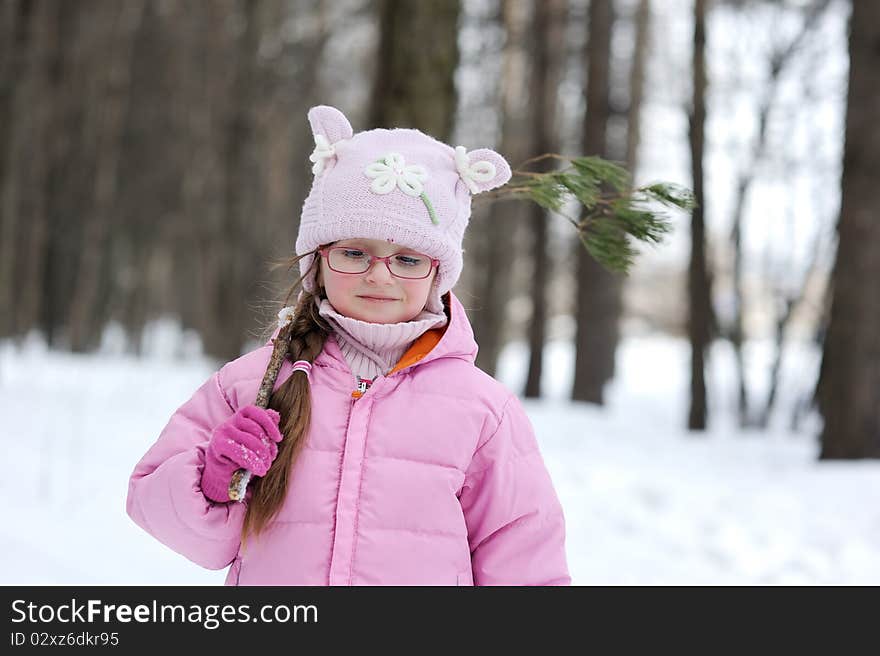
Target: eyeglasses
[(349, 259)]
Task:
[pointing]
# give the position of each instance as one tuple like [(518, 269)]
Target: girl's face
[(350, 293)]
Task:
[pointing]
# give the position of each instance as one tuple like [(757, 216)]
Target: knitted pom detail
[(322, 152), (482, 169), (329, 127)]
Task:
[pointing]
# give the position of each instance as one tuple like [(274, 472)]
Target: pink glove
[(247, 440)]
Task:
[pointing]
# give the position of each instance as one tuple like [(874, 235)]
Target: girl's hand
[(247, 440)]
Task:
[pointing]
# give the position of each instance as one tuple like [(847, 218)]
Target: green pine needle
[(613, 215)]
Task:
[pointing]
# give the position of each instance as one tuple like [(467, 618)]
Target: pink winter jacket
[(431, 477)]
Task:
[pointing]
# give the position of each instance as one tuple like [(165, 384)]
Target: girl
[(386, 457)]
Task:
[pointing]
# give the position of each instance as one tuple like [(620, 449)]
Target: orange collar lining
[(423, 345)]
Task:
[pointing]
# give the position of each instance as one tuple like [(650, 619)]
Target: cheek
[(428, 284), (418, 294), (333, 282), (343, 283)]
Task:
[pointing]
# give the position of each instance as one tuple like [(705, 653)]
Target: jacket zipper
[(363, 384)]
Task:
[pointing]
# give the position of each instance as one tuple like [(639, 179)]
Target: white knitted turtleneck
[(372, 349)]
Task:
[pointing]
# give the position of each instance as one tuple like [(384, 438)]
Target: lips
[(378, 298)]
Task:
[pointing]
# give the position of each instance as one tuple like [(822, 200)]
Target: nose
[(378, 271)]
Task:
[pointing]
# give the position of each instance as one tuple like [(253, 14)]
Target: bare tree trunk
[(699, 286), (763, 419), (414, 85), (17, 40), (737, 329), (11, 33), (197, 244), (549, 30), (45, 162), (287, 136), (145, 191), (598, 298), (280, 140), (84, 313), (849, 394), (637, 84), (238, 167), (504, 218)]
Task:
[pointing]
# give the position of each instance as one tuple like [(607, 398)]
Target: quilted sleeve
[(164, 493), (515, 522)]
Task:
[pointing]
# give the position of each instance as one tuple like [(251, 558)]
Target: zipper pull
[(363, 386)]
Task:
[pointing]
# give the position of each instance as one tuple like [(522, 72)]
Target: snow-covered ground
[(646, 502)]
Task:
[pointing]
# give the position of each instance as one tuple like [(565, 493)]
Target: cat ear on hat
[(329, 122), (329, 126), (481, 169)]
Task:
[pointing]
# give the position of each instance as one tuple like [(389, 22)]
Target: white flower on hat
[(323, 151), (391, 171), (479, 171)]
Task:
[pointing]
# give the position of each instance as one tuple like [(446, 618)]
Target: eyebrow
[(358, 242)]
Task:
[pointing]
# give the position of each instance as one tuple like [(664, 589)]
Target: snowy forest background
[(712, 417)]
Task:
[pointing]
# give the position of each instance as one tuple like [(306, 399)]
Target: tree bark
[(637, 84), (598, 297), (699, 286), (414, 84), (150, 167), (47, 252), (549, 31), (239, 163), (503, 219), (17, 37), (84, 321), (849, 386)]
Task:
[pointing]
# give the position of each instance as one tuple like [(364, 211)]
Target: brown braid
[(293, 402)]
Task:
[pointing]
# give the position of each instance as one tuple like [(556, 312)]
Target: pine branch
[(613, 214)]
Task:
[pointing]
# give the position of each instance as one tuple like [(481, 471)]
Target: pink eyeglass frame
[(325, 253)]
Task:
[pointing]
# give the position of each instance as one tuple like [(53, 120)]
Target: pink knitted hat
[(398, 185)]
